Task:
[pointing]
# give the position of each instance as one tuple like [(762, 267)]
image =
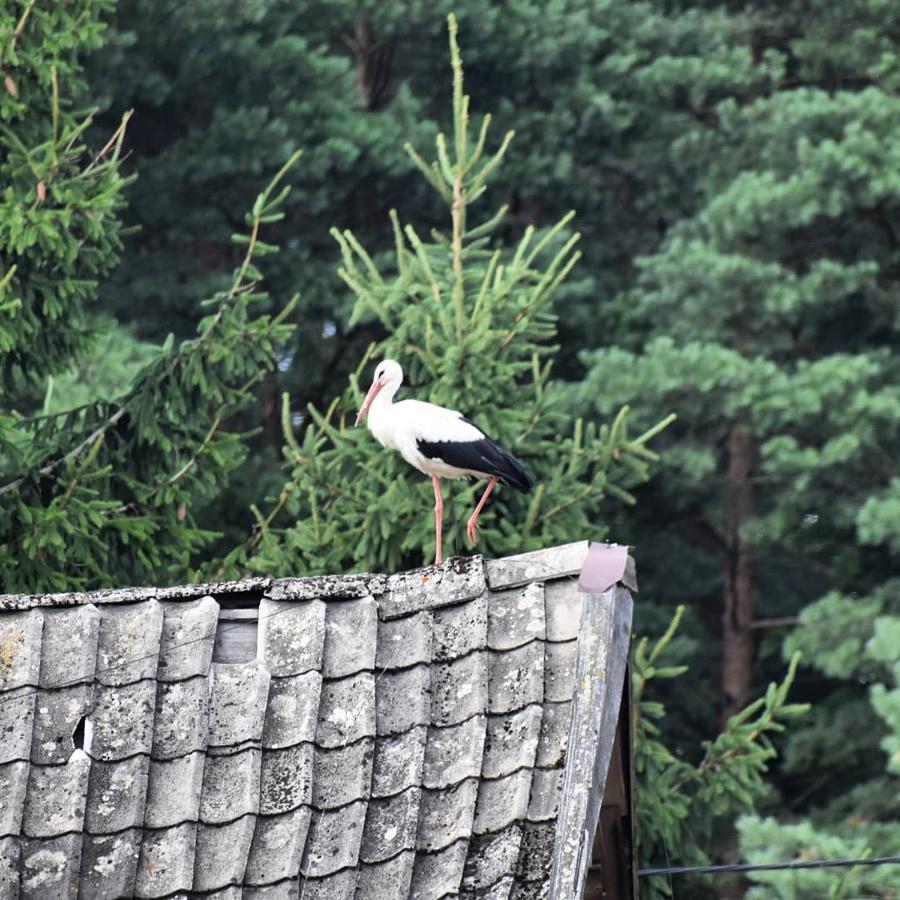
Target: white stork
[(438, 442)]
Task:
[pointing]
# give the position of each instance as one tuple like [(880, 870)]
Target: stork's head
[(387, 374)]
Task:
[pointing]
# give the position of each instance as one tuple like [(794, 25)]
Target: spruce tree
[(473, 326), (102, 494)]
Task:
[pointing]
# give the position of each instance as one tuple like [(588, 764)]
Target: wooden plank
[(603, 644)]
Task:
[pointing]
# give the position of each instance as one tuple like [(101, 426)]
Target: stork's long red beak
[(373, 393)]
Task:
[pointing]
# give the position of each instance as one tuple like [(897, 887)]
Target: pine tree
[(472, 324), (101, 494)]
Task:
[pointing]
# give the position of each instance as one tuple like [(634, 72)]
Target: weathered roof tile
[(121, 722), (388, 879), (69, 645), (220, 857), (56, 797), (277, 848), (293, 709), (188, 634), (511, 741), (128, 644), (554, 736), (516, 678), (109, 865), (50, 867), (446, 816), (391, 826), (343, 774), (398, 762), (16, 721), (502, 801), (326, 587), (230, 786), (346, 710), (404, 642), (562, 608), (13, 782), (20, 649), (459, 578), (516, 617), (560, 671), (454, 753), (182, 713), (291, 636), (350, 637), (116, 795), (538, 565), (338, 886), (459, 689), (403, 699), (546, 791), (333, 841), (492, 858), (166, 863), (285, 780), (460, 629), (437, 875), (173, 790), (237, 707)]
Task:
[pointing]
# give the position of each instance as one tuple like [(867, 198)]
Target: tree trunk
[(737, 600), (737, 613)]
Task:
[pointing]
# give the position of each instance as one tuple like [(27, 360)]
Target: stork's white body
[(402, 426)]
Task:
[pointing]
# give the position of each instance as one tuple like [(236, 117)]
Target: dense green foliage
[(735, 173), (100, 493)]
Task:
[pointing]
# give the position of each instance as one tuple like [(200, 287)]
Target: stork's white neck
[(379, 419)]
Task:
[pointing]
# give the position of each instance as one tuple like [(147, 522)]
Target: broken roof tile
[(57, 714)]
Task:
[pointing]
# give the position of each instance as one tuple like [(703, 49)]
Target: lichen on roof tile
[(404, 642), (57, 714), (460, 629), (445, 816), (13, 784), (69, 645), (117, 794), (516, 678), (492, 858), (516, 617), (403, 700), (388, 879), (537, 565), (459, 689), (334, 840), (292, 710), (237, 707), (502, 801), (459, 578), (166, 863), (398, 762), (391, 826), (109, 865), (438, 874), (285, 780), (346, 710), (173, 790), (20, 649), (181, 719), (454, 752), (511, 741), (231, 785), (121, 722)]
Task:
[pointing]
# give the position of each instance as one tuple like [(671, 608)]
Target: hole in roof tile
[(78, 734)]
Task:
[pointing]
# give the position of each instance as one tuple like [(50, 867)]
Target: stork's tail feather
[(508, 469)]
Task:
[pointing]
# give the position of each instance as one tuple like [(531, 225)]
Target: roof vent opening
[(236, 634)]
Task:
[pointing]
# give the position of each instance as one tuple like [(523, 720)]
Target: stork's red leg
[(472, 524), (438, 520)]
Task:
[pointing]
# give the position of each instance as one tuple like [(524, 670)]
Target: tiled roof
[(329, 738)]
